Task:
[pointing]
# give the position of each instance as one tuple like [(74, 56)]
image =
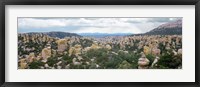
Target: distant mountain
[(57, 34), (170, 28), (98, 35)]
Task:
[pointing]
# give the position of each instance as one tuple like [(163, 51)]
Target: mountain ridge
[(58, 34), (103, 34), (170, 28)]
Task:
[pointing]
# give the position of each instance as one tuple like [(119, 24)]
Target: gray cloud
[(162, 19)]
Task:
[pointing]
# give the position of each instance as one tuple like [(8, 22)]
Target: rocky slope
[(171, 28)]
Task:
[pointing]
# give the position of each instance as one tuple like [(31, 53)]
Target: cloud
[(40, 23), (127, 29), (88, 25), (162, 19)]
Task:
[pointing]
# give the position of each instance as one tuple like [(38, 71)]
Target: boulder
[(46, 53), (146, 50), (155, 61), (59, 67), (31, 57), (95, 46), (156, 51), (76, 50), (22, 64), (108, 47), (62, 45), (46, 65), (179, 51), (143, 62), (58, 63), (71, 51)]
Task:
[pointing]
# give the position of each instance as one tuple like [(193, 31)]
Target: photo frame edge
[(154, 84)]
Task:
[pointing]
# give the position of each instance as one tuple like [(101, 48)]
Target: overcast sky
[(91, 25)]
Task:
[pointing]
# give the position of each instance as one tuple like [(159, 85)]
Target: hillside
[(56, 34), (170, 28), (99, 35)]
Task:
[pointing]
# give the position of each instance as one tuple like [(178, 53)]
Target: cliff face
[(171, 28)]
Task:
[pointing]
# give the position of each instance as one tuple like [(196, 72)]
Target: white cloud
[(40, 23), (108, 30)]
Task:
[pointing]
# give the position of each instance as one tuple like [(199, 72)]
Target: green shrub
[(35, 64), (125, 65), (51, 61), (169, 61), (151, 58)]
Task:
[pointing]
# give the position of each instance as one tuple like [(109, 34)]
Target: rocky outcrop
[(108, 47), (62, 45), (143, 62), (22, 64), (46, 53), (155, 61), (76, 50), (146, 50)]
